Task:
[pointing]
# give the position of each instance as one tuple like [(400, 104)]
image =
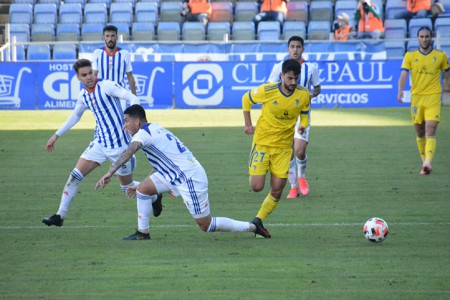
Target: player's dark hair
[(291, 65), (296, 38), (136, 111), (81, 63), (110, 28), (425, 28)]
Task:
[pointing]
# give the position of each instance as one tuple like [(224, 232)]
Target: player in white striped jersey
[(177, 172), (102, 97), (112, 62), (309, 78)]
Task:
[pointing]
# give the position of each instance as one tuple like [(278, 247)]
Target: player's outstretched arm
[(51, 143)]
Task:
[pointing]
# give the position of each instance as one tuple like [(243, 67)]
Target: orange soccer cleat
[(293, 193), (304, 188)]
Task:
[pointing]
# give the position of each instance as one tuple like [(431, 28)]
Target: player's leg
[(417, 116), (258, 167), (431, 115), (301, 162), (125, 173), (292, 177)]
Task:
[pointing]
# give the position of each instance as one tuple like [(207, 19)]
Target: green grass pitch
[(361, 164)]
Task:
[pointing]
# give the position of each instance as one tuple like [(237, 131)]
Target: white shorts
[(98, 153), (194, 191), (305, 135)]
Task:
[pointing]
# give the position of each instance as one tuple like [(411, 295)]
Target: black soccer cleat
[(260, 228), (157, 206), (54, 220), (137, 236)]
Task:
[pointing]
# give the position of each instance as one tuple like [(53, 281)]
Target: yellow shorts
[(273, 159), (425, 108)]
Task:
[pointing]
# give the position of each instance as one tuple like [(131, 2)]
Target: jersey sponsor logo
[(202, 84), (10, 87)]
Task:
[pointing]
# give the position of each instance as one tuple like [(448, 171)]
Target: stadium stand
[(20, 52), (121, 13), (68, 32), (65, 52), (170, 12), (70, 13), (217, 31), (42, 33), (21, 13), (132, 2), (123, 29), (21, 32), (193, 31), (56, 2), (221, 12), (143, 31), (38, 52), (297, 11), (245, 11), (243, 31), (269, 31), (319, 30), (81, 2), (321, 11), (393, 7), (348, 7), (31, 2), (146, 12), (91, 32), (291, 28), (95, 13), (442, 27), (395, 29), (45, 13), (168, 31), (395, 49), (106, 2), (445, 46), (415, 24)]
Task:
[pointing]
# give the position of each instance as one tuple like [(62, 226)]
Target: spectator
[(370, 24), (342, 30), (271, 10), (415, 9), (197, 11)]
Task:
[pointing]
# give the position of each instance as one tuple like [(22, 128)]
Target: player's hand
[(400, 97), (301, 129), (51, 143), (131, 191), (103, 181), (249, 130)]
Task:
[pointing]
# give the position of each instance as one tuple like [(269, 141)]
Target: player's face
[(289, 82), (131, 125), (110, 38), (424, 38), (87, 77), (295, 50)]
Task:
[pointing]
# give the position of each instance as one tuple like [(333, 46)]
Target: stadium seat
[(168, 31), (193, 31), (395, 29), (291, 28), (269, 31), (70, 13), (38, 52), (221, 12), (81, 2), (56, 2), (446, 4), (95, 13), (415, 24), (20, 53), (170, 12), (442, 27), (106, 2), (297, 11), (218, 30), (68, 32), (243, 31), (31, 2), (445, 46), (122, 29), (245, 11), (65, 52), (92, 32), (20, 13), (348, 7), (158, 2), (42, 33), (45, 13), (321, 11), (132, 2), (393, 7), (144, 31), (146, 12), (20, 31), (395, 49), (121, 13), (319, 30)]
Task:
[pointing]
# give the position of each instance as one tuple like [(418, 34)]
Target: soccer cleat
[(137, 236), (426, 169), (293, 193), (260, 228), (54, 220), (422, 172), (304, 188), (157, 206)]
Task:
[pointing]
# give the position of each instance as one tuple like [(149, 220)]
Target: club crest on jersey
[(275, 102), (297, 102)]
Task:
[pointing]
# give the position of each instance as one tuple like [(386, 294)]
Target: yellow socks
[(430, 148), (267, 207), (421, 145)]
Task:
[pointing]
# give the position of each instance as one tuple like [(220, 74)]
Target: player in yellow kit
[(282, 103), (426, 65)]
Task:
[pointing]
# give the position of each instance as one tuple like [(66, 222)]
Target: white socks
[(301, 167), (292, 176), (222, 224), (70, 189), (144, 209)]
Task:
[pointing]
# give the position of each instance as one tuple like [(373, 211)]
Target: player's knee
[(256, 186), (204, 226)]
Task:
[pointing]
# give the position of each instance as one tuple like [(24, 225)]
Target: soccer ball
[(376, 230)]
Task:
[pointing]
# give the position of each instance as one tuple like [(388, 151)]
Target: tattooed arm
[(123, 158)]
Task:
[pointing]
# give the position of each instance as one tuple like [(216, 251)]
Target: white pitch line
[(267, 225)]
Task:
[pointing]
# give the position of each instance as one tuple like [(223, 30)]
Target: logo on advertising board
[(10, 87), (144, 86), (58, 86), (202, 84)]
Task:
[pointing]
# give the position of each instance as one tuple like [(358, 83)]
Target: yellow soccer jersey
[(275, 126), (425, 71)]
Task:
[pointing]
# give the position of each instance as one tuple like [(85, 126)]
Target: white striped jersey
[(114, 66), (309, 75), (166, 153), (104, 102)]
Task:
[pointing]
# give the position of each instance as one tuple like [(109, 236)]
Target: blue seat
[(269, 31), (38, 52), (20, 13), (291, 28), (31, 2), (70, 13), (297, 11), (132, 2), (168, 31), (92, 32), (348, 7), (193, 31), (446, 4), (146, 12), (319, 30), (321, 11), (415, 24), (395, 49), (81, 2), (68, 32), (170, 12), (65, 52), (20, 53), (218, 30), (243, 31), (20, 31), (144, 31), (245, 11), (393, 7), (45, 13), (158, 2), (442, 26), (95, 13), (42, 33), (56, 2), (221, 12), (122, 29), (121, 13), (445, 46), (106, 2), (395, 29)]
